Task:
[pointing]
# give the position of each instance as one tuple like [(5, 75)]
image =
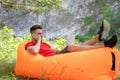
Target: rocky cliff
[(67, 20)]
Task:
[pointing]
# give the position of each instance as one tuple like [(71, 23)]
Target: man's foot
[(104, 30), (111, 42)]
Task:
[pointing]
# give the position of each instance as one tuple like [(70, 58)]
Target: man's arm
[(34, 49)]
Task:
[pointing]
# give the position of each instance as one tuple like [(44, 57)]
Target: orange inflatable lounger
[(95, 64)]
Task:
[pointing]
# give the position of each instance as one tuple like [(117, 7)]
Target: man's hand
[(36, 37)]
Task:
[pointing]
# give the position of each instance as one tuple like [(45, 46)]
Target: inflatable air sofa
[(95, 64)]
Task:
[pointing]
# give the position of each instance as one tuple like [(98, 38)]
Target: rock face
[(64, 21)]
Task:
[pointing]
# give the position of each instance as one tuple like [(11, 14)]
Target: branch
[(17, 4)]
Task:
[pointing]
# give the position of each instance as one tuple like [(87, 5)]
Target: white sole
[(106, 30)]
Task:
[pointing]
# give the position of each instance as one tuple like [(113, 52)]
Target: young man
[(37, 46)]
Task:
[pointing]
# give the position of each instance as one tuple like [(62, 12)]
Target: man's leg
[(108, 43), (92, 41), (101, 36), (83, 46), (74, 48)]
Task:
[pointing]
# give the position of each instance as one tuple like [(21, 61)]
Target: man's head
[(36, 31)]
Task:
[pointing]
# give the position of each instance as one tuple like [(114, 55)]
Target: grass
[(118, 76)]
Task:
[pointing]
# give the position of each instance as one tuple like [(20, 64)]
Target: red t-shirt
[(45, 49)]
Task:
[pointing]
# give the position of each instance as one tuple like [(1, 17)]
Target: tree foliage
[(45, 5), (37, 6), (8, 44)]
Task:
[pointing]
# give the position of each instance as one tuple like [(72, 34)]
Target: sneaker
[(111, 42), (104, 31)]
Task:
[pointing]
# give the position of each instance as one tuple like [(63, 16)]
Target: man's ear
[(33, 34)]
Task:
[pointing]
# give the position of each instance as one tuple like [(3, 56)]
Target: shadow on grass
[(118, 78), (7, 72)]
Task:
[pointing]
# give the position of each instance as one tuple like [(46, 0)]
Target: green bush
[(8, 49), (83, 38), (59, 43), (8, 44)]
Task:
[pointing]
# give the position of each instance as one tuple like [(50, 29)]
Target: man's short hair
[(34, 27)]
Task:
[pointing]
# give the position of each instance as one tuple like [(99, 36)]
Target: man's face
[(36, 34)]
